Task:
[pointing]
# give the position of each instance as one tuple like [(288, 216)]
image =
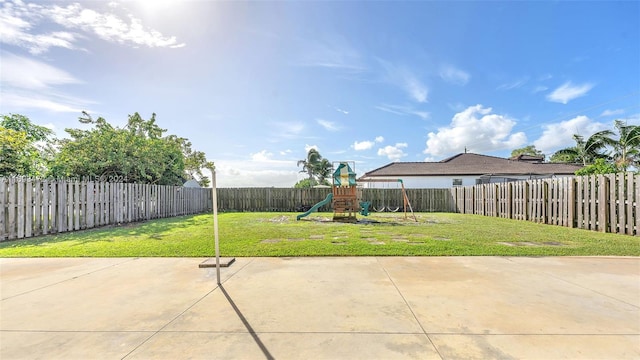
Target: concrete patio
[(321, 308)]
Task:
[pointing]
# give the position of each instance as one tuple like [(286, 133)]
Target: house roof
[(473, 164)]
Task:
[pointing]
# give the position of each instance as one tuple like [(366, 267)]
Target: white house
[(466, 169)]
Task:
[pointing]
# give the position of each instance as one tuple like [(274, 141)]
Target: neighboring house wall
[(421, 182), (467, 169), (438, 182)]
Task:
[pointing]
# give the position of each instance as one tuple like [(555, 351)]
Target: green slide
[(316, 206)]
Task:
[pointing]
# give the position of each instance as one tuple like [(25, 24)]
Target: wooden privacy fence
[(606, 203), (292, 199), (32, 207)]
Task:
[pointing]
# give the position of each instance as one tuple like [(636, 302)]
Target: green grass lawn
[(279, 234)]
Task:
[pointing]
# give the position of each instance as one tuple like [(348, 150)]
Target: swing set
[(387, 204), (345, 195)]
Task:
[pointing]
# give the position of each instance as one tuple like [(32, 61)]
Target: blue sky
[(256, 84)]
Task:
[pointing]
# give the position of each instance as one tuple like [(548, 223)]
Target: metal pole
[(215, 219)]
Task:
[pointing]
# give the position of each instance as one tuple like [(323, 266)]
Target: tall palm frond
[(587, 151), (323, 170), (310, 164), (626, 149)]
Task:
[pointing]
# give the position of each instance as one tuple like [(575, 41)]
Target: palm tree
[(626, 149), (586, 152), (323, 171), (310, 164)]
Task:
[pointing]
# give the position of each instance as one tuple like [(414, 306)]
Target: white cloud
[(25, 73), (20, 102), (30, 84), (405, 79), (15, 27), (560, 135), (362, 145), (263, 155), (416, 89), (328, 125), (256, 172), (476, 129), (331, 53), (567, 92), (612, 112), (342, 111), (287, 130), (403, 110), (540, 88), (18, 24), (453, 75), (367, 144), (394, 153), (514, 84)]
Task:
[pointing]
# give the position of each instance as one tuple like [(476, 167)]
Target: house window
[(457, 182)]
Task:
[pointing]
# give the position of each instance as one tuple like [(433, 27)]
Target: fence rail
[(33, 207), (606, 203), (292, 199)]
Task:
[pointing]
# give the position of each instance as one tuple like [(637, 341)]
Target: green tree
[(527, 150), (599, 166), (564, 158), (305, 183), (626, 147), (324, 171), (585, 152), (194, 162), (310, 163), (318, 168), (136, 153), (15, 153), (23, 146)]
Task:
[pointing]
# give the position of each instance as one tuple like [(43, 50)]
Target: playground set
[(344, 195)]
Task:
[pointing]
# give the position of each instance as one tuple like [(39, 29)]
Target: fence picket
[(31, 207), (598, 202), (636, 204), (28, 199)]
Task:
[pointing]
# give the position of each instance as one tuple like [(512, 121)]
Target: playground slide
[(315, 207)]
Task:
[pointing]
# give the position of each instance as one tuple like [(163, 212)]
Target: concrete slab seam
[(182, 313), (237, 271), (298, 332), (154, 333), (410, 309), (69, 279)]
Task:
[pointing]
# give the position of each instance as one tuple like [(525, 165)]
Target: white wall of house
[(422, 182), (433, 182)]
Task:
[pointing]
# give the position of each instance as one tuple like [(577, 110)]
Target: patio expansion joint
[(156, 332), (415, 317), (293, 332), (69, 279)]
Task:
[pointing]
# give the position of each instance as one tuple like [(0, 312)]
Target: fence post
[(4, 230), (572, 202), (622, 221), (603, 209), (637, 203), (629, 200)]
